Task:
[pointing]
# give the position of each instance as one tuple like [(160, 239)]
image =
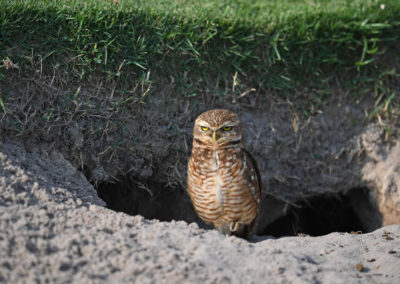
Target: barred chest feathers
[(220, 193)]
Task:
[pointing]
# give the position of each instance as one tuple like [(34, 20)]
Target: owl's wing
[(255, 167)]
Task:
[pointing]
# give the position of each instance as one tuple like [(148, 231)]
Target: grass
[(95, 63), (270, 44)]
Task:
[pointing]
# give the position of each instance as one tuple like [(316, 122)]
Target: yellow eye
[(227, 128), (204, 128)]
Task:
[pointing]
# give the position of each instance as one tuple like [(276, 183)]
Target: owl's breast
[(204, 178), (217, 184)]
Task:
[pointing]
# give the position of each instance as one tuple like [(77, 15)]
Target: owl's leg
[(223, 227), (244, 231), (237, 229), (234, 226)]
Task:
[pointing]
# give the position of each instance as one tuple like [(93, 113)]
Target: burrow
[(353, 211)]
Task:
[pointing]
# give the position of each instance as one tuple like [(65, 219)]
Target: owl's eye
[(204, 128), (227, 128)]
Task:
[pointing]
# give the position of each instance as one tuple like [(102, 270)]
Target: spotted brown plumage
[(223, 179)]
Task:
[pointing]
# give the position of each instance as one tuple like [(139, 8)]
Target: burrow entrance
[(355, 211), (318, 215)]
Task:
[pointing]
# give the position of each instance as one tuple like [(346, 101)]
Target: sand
[(54, 228)]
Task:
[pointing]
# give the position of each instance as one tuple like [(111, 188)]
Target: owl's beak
[(215, 136)]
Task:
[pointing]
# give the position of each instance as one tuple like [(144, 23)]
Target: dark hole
[(321, 215), (315, 216), (151, 200)]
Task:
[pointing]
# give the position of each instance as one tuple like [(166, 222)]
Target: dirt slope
[(53, 227)]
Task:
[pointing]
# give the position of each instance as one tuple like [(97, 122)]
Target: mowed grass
[(283, 47)]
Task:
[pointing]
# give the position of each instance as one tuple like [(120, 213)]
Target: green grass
[(209, 52), (270, 44)]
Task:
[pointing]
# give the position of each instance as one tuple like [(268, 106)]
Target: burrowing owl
[(223, 179)]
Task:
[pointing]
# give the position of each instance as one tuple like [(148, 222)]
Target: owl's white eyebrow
[(203, 124), (229, 123)]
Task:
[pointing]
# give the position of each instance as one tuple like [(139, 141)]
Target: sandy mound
[(53, 227)]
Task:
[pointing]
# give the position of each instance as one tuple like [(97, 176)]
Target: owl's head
[(218, 127)]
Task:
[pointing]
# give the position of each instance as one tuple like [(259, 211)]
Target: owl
[(224, 183)]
